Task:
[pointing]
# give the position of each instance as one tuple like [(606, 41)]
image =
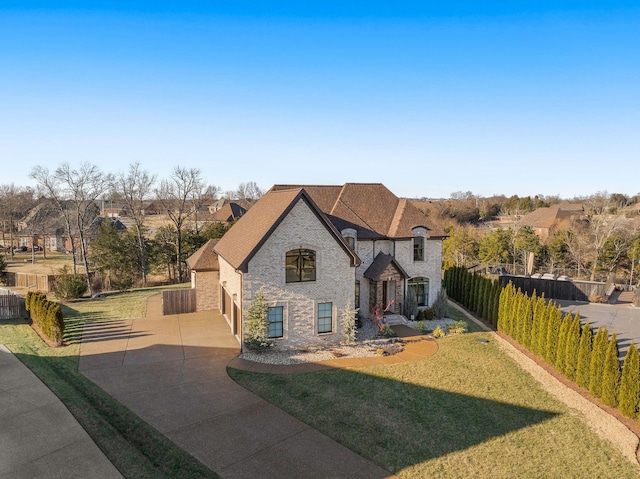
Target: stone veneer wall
[(335, 278)]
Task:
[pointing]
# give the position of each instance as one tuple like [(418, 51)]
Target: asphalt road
[(623, 319)]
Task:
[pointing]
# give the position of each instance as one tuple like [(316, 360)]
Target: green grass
[(134, 447), (468, 411)]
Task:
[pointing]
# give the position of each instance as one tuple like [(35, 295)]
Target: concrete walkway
[(39, 438), (171, 371)]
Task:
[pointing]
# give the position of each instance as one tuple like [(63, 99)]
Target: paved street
[(623, 319)]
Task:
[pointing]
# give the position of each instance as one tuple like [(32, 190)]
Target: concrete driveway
[(171, 371), (624, 319)]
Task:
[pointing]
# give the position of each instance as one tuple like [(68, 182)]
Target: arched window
[(419, 289), (300, 265)]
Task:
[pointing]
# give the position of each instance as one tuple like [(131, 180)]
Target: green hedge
[(45, 314), (575, 351)]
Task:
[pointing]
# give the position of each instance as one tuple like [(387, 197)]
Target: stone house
[(314, 250)]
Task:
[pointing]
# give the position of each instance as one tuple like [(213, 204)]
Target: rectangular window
[(325, 316), (357, 296), (275, 322), (351, 242), (300, 265), (418, 248)]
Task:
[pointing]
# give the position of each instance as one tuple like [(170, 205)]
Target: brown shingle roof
[(229, 212), (380, 264), (243, 240), (205, 259), (369, 208)]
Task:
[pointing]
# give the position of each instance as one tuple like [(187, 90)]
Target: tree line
[(69, 198), (603, 239)]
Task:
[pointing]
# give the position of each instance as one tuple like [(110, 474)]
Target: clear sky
[(429, 98)]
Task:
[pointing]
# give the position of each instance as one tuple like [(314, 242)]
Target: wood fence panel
[(555, 289), (9, 306), (179, 301)]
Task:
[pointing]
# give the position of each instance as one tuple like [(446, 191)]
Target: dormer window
[(349, 235), (419, 234), (300, 265)]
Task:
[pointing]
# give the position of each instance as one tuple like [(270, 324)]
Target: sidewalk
[(39, 438)]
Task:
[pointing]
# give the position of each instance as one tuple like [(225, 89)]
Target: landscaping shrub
[(630, 384), (349, 328), (46, 315), (69, 286), (458, 327), (584, 356), (428, 314), (572, 347), (387, 331), (421, 326), (256, 327), (438, 333), (441, 305), (611, 374), (596, 366)]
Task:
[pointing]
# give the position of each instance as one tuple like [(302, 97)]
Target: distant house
[(314, 250), (228, 213), (544, 220)]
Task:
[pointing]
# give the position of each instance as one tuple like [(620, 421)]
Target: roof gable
[(246, 237), (205, 259)]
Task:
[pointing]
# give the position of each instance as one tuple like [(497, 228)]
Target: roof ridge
[(397, 216), (339, 200)]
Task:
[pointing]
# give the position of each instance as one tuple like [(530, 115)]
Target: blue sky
[(427, 97)]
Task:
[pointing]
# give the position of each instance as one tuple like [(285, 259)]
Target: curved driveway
[(171, 371)]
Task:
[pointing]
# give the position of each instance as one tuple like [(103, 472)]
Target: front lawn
[(133, 446), (468, 411)]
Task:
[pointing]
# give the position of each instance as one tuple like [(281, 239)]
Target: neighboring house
[(315, 250), (228, 213), (544, 220), (205, 276)]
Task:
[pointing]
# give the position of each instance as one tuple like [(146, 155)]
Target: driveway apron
[(171, 371)]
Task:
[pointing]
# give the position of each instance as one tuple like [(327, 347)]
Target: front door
[(389, 295)]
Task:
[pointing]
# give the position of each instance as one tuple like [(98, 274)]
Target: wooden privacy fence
[(179, 301), (557, 289), (37, 282), (9, 305)]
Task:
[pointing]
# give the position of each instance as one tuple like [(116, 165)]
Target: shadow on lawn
[(394, 423)]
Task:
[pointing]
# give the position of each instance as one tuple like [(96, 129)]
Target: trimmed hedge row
[(47, 315), (474, 291), (590, 361)]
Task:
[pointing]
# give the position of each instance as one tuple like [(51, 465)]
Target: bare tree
[(249, 192), (603, 224), (75, 192), (133, 189), (176, 195)]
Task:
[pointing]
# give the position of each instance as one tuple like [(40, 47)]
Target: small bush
[(69, 286), (458, 327), (387, 331), (439, 333), (46, 315), (256, 327), (441, 305), (428, 314), (420, 326)]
